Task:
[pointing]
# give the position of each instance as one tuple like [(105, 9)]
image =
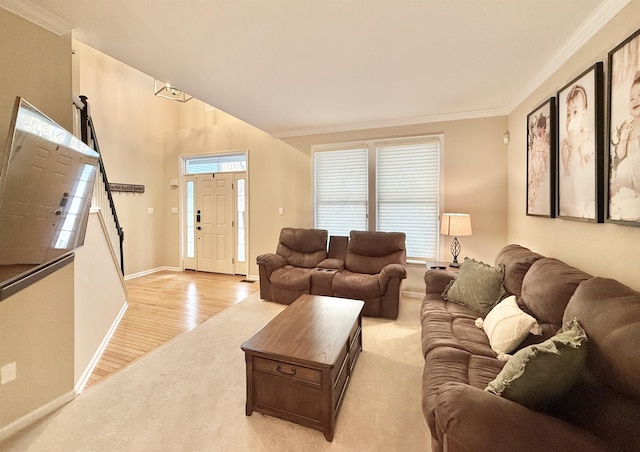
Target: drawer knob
[(286, 370)]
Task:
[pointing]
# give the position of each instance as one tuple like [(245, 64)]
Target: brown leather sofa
[(600, 413), (367, 265)]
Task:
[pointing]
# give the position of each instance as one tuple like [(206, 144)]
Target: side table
[(441, 265)]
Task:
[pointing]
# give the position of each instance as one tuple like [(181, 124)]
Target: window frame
[(372, 192)]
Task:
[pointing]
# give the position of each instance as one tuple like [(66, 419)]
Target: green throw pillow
[(540, 374), (478, 286)]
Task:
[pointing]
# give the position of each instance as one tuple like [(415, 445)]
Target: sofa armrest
[(468, 418), (436, 280), (391, 271), (332, 264), (271, 262)]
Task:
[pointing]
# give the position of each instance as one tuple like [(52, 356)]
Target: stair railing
[(102, 197)]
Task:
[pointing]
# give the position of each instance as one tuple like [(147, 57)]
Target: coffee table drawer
[(287, 370)]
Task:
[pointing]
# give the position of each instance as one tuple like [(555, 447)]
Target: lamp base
[(455, 252)]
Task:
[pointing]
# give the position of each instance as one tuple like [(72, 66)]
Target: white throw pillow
[(507, 325)]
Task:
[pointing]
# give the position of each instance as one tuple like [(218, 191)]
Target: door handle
[(198, 228)]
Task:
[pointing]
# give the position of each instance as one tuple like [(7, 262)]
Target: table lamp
[(455, 224)]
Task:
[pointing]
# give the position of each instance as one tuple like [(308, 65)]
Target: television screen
[(46, 184)]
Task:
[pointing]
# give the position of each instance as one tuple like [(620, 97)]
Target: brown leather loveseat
[(598, 411), (367, 265)]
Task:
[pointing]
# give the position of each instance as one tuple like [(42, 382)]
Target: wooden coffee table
[(299, 364)]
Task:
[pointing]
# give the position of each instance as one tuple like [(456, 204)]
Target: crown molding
[(37, 15), (428, 119), (600, 17)]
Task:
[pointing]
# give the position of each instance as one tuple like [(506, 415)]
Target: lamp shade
[(456, 224)]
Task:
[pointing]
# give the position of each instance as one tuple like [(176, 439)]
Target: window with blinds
[(403, 177), (341, 187), (408, 191)]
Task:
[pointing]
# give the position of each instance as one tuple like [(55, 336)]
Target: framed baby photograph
[(623, 185), (541, 148), (580, 175)]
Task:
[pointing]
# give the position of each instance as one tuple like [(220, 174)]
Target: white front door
[(214, 222)]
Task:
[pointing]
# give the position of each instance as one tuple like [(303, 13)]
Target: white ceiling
[(294, 67)]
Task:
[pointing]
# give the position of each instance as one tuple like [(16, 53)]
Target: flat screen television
[(46, 184)]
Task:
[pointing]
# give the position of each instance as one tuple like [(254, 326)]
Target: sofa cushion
[(292, 278), (507, 325), (609, 312), (451, 325), (538, 375), (331, 264), (611, 415), (370, 251), (546, 290), (478, 286), (356, 285), (516, 260), (445, 365), (303, 247)]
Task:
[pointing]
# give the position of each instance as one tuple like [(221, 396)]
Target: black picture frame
[(541, 160), (580, 158), (623, 156)]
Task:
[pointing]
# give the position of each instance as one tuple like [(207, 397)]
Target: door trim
[(182, 206)]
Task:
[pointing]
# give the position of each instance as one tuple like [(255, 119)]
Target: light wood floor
[(163, 305)]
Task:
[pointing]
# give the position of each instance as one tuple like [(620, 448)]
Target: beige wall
[(129, 122), (96, 306), (36, 332), (280, 171), (36, 324), (474, 174), (36, 65), (609, 250), (280, 175)]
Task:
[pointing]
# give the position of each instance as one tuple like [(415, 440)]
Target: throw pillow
[(540, 374), (507, 325), (478, 286)]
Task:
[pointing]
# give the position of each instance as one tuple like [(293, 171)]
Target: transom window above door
[(225, 163)]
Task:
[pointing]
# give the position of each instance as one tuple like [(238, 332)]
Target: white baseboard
[(82, 381), (413, 294), (35, 415), (153, 270)]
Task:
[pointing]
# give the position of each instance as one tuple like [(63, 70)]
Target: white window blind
[(408, 183), (402, 174), (341, 186)]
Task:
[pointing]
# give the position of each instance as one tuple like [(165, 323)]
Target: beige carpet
[(189, 395)]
